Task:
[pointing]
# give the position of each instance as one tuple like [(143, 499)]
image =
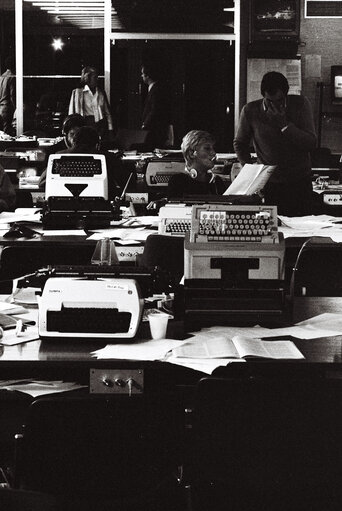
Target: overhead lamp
[(57, 44)]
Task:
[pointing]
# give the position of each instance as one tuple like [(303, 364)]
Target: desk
[(67, 358), (72, 361)]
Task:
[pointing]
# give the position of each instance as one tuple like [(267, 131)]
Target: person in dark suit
[(156, 116), (7, 97)]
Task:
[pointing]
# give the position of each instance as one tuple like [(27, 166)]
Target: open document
[(251, 179), (238, 347)]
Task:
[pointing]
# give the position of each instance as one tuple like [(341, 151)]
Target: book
[(238, 347), (251, 179)]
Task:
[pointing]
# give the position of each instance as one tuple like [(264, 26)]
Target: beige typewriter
[(159, 172), (234, 263), (174, 219)]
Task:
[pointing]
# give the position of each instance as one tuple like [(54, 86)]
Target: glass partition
[(59, 39), (7, 54)]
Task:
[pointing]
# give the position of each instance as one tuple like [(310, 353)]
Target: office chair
[(318, 269), (23, 199), (95, 453), (266, 443), (16, 261), (166, 252), (21, 500)]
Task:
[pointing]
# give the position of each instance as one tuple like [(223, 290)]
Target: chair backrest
[(166, 253), (16, 261), (318, 270), (21, 500), (98, 448), (270, 442)]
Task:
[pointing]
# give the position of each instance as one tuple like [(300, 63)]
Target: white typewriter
[(76, 175), (159, 172), (74, 307), (174, 219)]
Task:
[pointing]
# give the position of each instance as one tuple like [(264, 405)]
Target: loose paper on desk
[(137, 233), (251, 179), (204, 365), (11, 308), (11, 338), (64, 232), (324, 325), (237, 347), (312, 225), (144, 350), (21, 215), (39, 388)]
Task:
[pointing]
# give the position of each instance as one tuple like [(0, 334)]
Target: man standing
[(156, 117), (7, 97), (282, 131)]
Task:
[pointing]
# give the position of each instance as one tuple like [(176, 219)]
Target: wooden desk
[(65, 356), (71, 360)]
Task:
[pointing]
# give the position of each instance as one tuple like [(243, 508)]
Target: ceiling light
[(57, 44)]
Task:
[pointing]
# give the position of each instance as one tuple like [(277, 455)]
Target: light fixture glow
[(57, 44)]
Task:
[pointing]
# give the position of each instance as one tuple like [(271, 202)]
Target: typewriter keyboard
[(88, 320), (177, 226), (78, 167), (161, 178), (236, 225)]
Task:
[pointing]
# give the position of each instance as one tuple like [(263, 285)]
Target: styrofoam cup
[(158, 325)]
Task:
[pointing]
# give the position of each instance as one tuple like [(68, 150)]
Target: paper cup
[(158, 325)]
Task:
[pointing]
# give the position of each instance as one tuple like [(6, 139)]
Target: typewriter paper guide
[(251, 179)]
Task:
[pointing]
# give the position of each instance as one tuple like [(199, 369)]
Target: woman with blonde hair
[(200, 158)]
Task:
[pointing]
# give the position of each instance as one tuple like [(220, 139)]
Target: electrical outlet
[(137, 198)]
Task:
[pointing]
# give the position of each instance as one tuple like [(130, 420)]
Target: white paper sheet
[(144, 350), (21, 215), (39, 388), (10, 338), (206, 366), (134, 234), (64, 232)]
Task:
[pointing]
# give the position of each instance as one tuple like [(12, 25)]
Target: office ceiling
[(81, 14), (128, 15)]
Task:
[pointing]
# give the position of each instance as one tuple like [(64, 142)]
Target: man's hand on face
[(276, 115)]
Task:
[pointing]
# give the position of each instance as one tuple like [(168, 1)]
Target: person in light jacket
[(91, 102)]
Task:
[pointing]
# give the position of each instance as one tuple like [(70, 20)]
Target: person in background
[(200, 157), (70, 125), (156, 116), (91, 102), (281, 128), (7, 192), (7, 97)]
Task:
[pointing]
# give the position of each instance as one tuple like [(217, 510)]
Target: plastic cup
[(158, 325)]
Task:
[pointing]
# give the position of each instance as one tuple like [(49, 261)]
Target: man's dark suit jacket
[(156, 116)]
